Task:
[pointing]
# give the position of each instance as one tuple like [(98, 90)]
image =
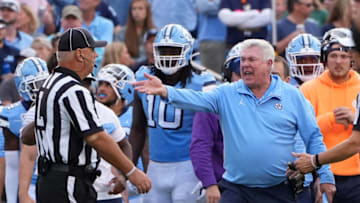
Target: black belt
[(87, 171)]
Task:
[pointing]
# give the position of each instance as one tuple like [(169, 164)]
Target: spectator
[(58, 6), (98, 26), (117, 53), (242, 107), (340, 16), (335, 118), (149, 38), (108, 12), (245, 19), (8, 91), (43, 47), (328, 4), (138, 23), (8, 54), (319, 14), (182, 13), (211, 35), (71, 17), (27, 20), (280, 10), (121, 8), (55, 41), (9, 10), (355, 5), (295, 23)]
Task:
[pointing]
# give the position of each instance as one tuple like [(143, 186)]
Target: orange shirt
[(325, 96)]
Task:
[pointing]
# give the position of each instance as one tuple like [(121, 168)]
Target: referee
[(69, 135)]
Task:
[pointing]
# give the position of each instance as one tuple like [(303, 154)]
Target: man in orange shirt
[(333, 96)]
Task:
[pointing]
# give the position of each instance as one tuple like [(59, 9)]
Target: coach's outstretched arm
[(110, 151)]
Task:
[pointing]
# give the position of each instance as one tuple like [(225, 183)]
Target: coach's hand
[(303, 163), (141, 181), (152, 85)]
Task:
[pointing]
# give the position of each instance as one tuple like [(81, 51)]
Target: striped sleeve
[(357, 120), (80, 106)]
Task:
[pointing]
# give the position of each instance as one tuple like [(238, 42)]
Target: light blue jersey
[(10, 116), (169, 127), (259, 134)]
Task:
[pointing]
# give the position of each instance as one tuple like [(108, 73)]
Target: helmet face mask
[(303, 57), (173, 47), (29, 77), (120, 78)]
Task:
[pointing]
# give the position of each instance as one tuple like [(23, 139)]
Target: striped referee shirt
[(65, 114)]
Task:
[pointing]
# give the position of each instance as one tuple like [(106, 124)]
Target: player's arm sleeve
[(194, 100), (119, 133), (202, 141)]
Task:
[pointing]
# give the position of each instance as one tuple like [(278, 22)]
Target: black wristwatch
[(317, 163)]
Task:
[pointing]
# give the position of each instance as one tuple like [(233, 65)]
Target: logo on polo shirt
[(241, 102), (278, 106)]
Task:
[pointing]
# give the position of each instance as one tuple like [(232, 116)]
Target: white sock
[(12, 159)]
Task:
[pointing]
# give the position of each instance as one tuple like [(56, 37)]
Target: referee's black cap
[(78, 38)]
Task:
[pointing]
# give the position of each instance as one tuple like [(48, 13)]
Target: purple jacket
[(206, 149)]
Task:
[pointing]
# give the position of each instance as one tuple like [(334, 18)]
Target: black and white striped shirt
[(65, 114)]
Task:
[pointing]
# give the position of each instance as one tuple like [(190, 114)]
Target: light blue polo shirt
[(259, 134), (22, 41)]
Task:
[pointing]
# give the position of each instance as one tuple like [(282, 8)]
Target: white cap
[(342, 35), (11, 4)]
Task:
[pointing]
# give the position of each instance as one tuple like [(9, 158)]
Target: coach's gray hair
[(62, 56), (266, 48)]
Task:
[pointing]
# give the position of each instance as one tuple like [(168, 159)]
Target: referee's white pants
[(171, 182)]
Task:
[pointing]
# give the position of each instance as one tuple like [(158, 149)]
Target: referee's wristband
[(130, 172), (317, 162), (312, 162)]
